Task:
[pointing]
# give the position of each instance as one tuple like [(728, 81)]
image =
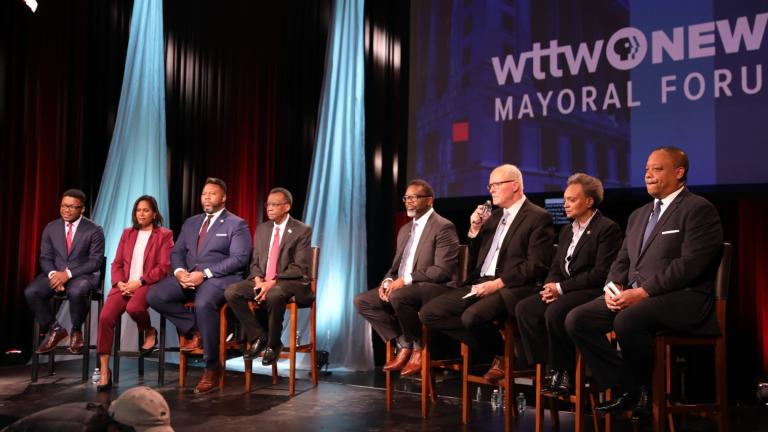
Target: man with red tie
[(210, 253), (279, 271), (71, 251)]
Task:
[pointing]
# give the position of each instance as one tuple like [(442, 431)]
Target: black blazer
[(295, 251), (525, 253), (683, 249), (437, 253), (591, 258)]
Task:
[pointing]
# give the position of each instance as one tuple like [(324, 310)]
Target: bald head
[(505, 185)]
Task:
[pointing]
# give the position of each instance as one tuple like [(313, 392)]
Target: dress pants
[(136, 306), (469, 320), (401, 314), (269, 317), (635, 326), (542, 328), (168, 298), (39, 294)]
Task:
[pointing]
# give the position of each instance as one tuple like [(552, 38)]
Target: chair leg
[(313, 343), (510, 407), (426, 372), (539, 399), (659, 386), (388, 376), (465, 354), (87, 343), (223, 344), (35, 346), (161, 354), (292, 351), (116, 351), (248, 369), (578, 394), (141, 357), (721, 386), (182, 362)]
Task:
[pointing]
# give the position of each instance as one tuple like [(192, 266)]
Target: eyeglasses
[(272, 204), (496, 185), (412, 198), (70, 207)]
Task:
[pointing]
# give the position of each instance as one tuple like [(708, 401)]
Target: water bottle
[(298, 338), (478, 395), (501, 399), (495, 399), (521, 403), (96, 376)]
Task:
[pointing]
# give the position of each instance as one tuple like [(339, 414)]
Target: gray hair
[(514, 173), (592, 186)]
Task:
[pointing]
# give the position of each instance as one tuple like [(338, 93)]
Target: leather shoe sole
[(271, 355)]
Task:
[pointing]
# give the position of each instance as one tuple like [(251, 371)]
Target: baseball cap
[(142, 408)]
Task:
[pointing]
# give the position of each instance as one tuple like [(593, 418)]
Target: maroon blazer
[(157, 255)]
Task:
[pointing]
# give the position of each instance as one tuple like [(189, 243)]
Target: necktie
[(495, 245), (272, 261), (406, 252), (69, 238), (203, 232), (651, 222)]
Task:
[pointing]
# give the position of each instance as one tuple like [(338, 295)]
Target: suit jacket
[(157, 255), (437, 254), (591, 258), (87, 249), (682, 251), (295, 251), (526, 250), (224, 252)]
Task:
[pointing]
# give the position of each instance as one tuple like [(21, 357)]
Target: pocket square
[(221, 234), (670, 232)]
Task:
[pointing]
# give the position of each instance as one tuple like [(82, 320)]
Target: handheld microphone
[(487, 207)]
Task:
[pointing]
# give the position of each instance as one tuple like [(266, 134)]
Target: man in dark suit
[(211, 252), (585, 251), (510, 253), (424, 268), (666, 273), (71, 252), (279, 271)]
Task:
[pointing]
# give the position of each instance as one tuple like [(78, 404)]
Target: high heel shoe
[(144, 351), (107, 386)]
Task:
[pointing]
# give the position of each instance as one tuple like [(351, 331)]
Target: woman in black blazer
[(586, 248)]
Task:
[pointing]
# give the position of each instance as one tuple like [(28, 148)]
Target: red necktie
[(203, 232), (69, 238), (272, 265)]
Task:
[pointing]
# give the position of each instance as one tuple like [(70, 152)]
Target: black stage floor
[(344, 401)]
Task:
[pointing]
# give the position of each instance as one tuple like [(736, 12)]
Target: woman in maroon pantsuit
[(142, 258)]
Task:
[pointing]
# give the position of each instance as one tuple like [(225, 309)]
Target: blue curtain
[(336, 198), (136, 164)]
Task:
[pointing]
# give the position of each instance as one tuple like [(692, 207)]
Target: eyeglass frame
[(269, 204), (413, 198), (496, 185), (71, 207)]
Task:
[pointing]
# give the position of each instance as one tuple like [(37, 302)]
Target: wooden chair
[(663, 407), (223, 346), (428, 392), (509, 331), (117, 353), (96, 295), (292, 348)]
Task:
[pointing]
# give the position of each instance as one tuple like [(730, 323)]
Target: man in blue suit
[(71, 252), (211, 252)]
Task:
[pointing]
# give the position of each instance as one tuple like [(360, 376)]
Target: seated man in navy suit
[(211, 252), (665, 271), (71, 251)]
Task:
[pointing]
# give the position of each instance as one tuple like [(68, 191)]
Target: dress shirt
[(74, 231), (578, 230), (282, 226), (410, 255), (509, 214)]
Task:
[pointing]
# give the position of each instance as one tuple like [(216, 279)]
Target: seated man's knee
[(572, 322), (470, 319), (231, 293)]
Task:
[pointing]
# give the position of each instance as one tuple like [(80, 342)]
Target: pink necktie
[(272, 265), (203, 232), (69, 238)]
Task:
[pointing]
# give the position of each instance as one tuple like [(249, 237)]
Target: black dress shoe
[(271, 355), (565, 386), (255, 349), (107, 386), (551, 381), (623, 402)]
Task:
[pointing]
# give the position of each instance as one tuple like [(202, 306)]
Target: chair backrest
[(722, 281), (314, 263), (462, 268)]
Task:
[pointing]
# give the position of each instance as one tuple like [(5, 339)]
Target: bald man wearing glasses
[(424, 268), (510, 251)]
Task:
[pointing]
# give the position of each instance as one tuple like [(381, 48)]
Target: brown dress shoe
[(192, 343), (414, 364), (51, 340), (399, 361), (208, 382), (496, 372), (76, 342)]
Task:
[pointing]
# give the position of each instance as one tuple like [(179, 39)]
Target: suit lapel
[(426, 233), (82, 229), (662, 220), (585, 235), (213, 229), (485, 247), (519, 218)]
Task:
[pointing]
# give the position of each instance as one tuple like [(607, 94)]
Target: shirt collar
[(577, 226), (423, 218), (515, 208), (666, 201), (282, 225), (75, 224)]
